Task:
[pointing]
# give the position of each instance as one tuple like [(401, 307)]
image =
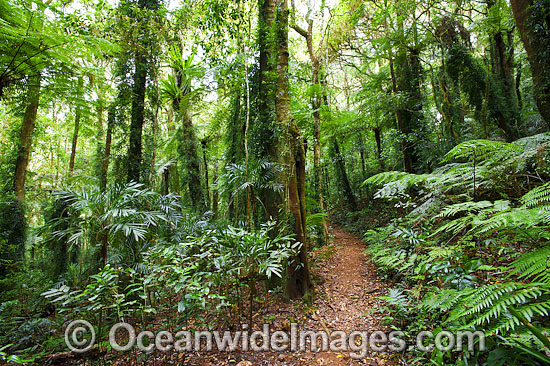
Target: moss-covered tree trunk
[(533, 25), (290, 149), (25, 141), (137, 119), (77, 117), (188, 148), (266, 129)]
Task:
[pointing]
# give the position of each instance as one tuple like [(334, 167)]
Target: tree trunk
[(316, 102), (267, 88), (401, 123), (78, 115), (206, 182), (165, 185), (215, 192), (107, 151), (536, 46), (362, 155), (188, 152), (137, 119), (518, 88), (378, 139), (293, 156), (502, 57), (27, 128), (343, 176)]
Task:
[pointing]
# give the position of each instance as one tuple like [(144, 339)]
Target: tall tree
[(77, 117), (280, 127), (142, 13), (178, 89), (293, 157), (534, 27), (27, 128), (315, 57)]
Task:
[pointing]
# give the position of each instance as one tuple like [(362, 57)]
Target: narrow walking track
[(348, 300)]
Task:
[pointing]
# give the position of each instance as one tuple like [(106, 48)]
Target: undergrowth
[(469, 249)]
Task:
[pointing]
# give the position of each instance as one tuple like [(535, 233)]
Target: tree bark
[(78, 115), (206, 181), (362, 154), (107, 152), (293, 156), (378, 139), (535, 46), (27, 128), (137, 119), (343, 176), (215, 192), (316, 102)]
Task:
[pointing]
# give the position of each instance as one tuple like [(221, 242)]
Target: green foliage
[(472, 264), (533, 266), (13, 228), (128, 216)]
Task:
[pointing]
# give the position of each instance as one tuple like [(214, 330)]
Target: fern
[(385, 177), (538, 197), (397, 299), (443, 300), (506, 220), (533, 265), (464, 207), (488, 306), (480, 150)]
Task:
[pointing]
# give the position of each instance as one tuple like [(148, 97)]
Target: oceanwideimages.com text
[(80, 337)]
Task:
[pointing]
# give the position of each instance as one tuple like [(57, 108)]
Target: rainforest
[(275, 182)]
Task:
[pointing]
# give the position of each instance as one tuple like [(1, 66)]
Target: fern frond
[(539, 196), (489, 305), (533, 265), (480, 150), (384, 177), (464, 207), (396, 298), (444, 300)]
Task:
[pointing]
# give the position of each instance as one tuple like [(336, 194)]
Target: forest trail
[(347, 299)]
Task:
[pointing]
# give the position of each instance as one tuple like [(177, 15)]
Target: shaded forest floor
[(347, 299), (347, 291)]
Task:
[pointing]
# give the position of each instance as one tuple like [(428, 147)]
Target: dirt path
[(347, 290), (348, 300)]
